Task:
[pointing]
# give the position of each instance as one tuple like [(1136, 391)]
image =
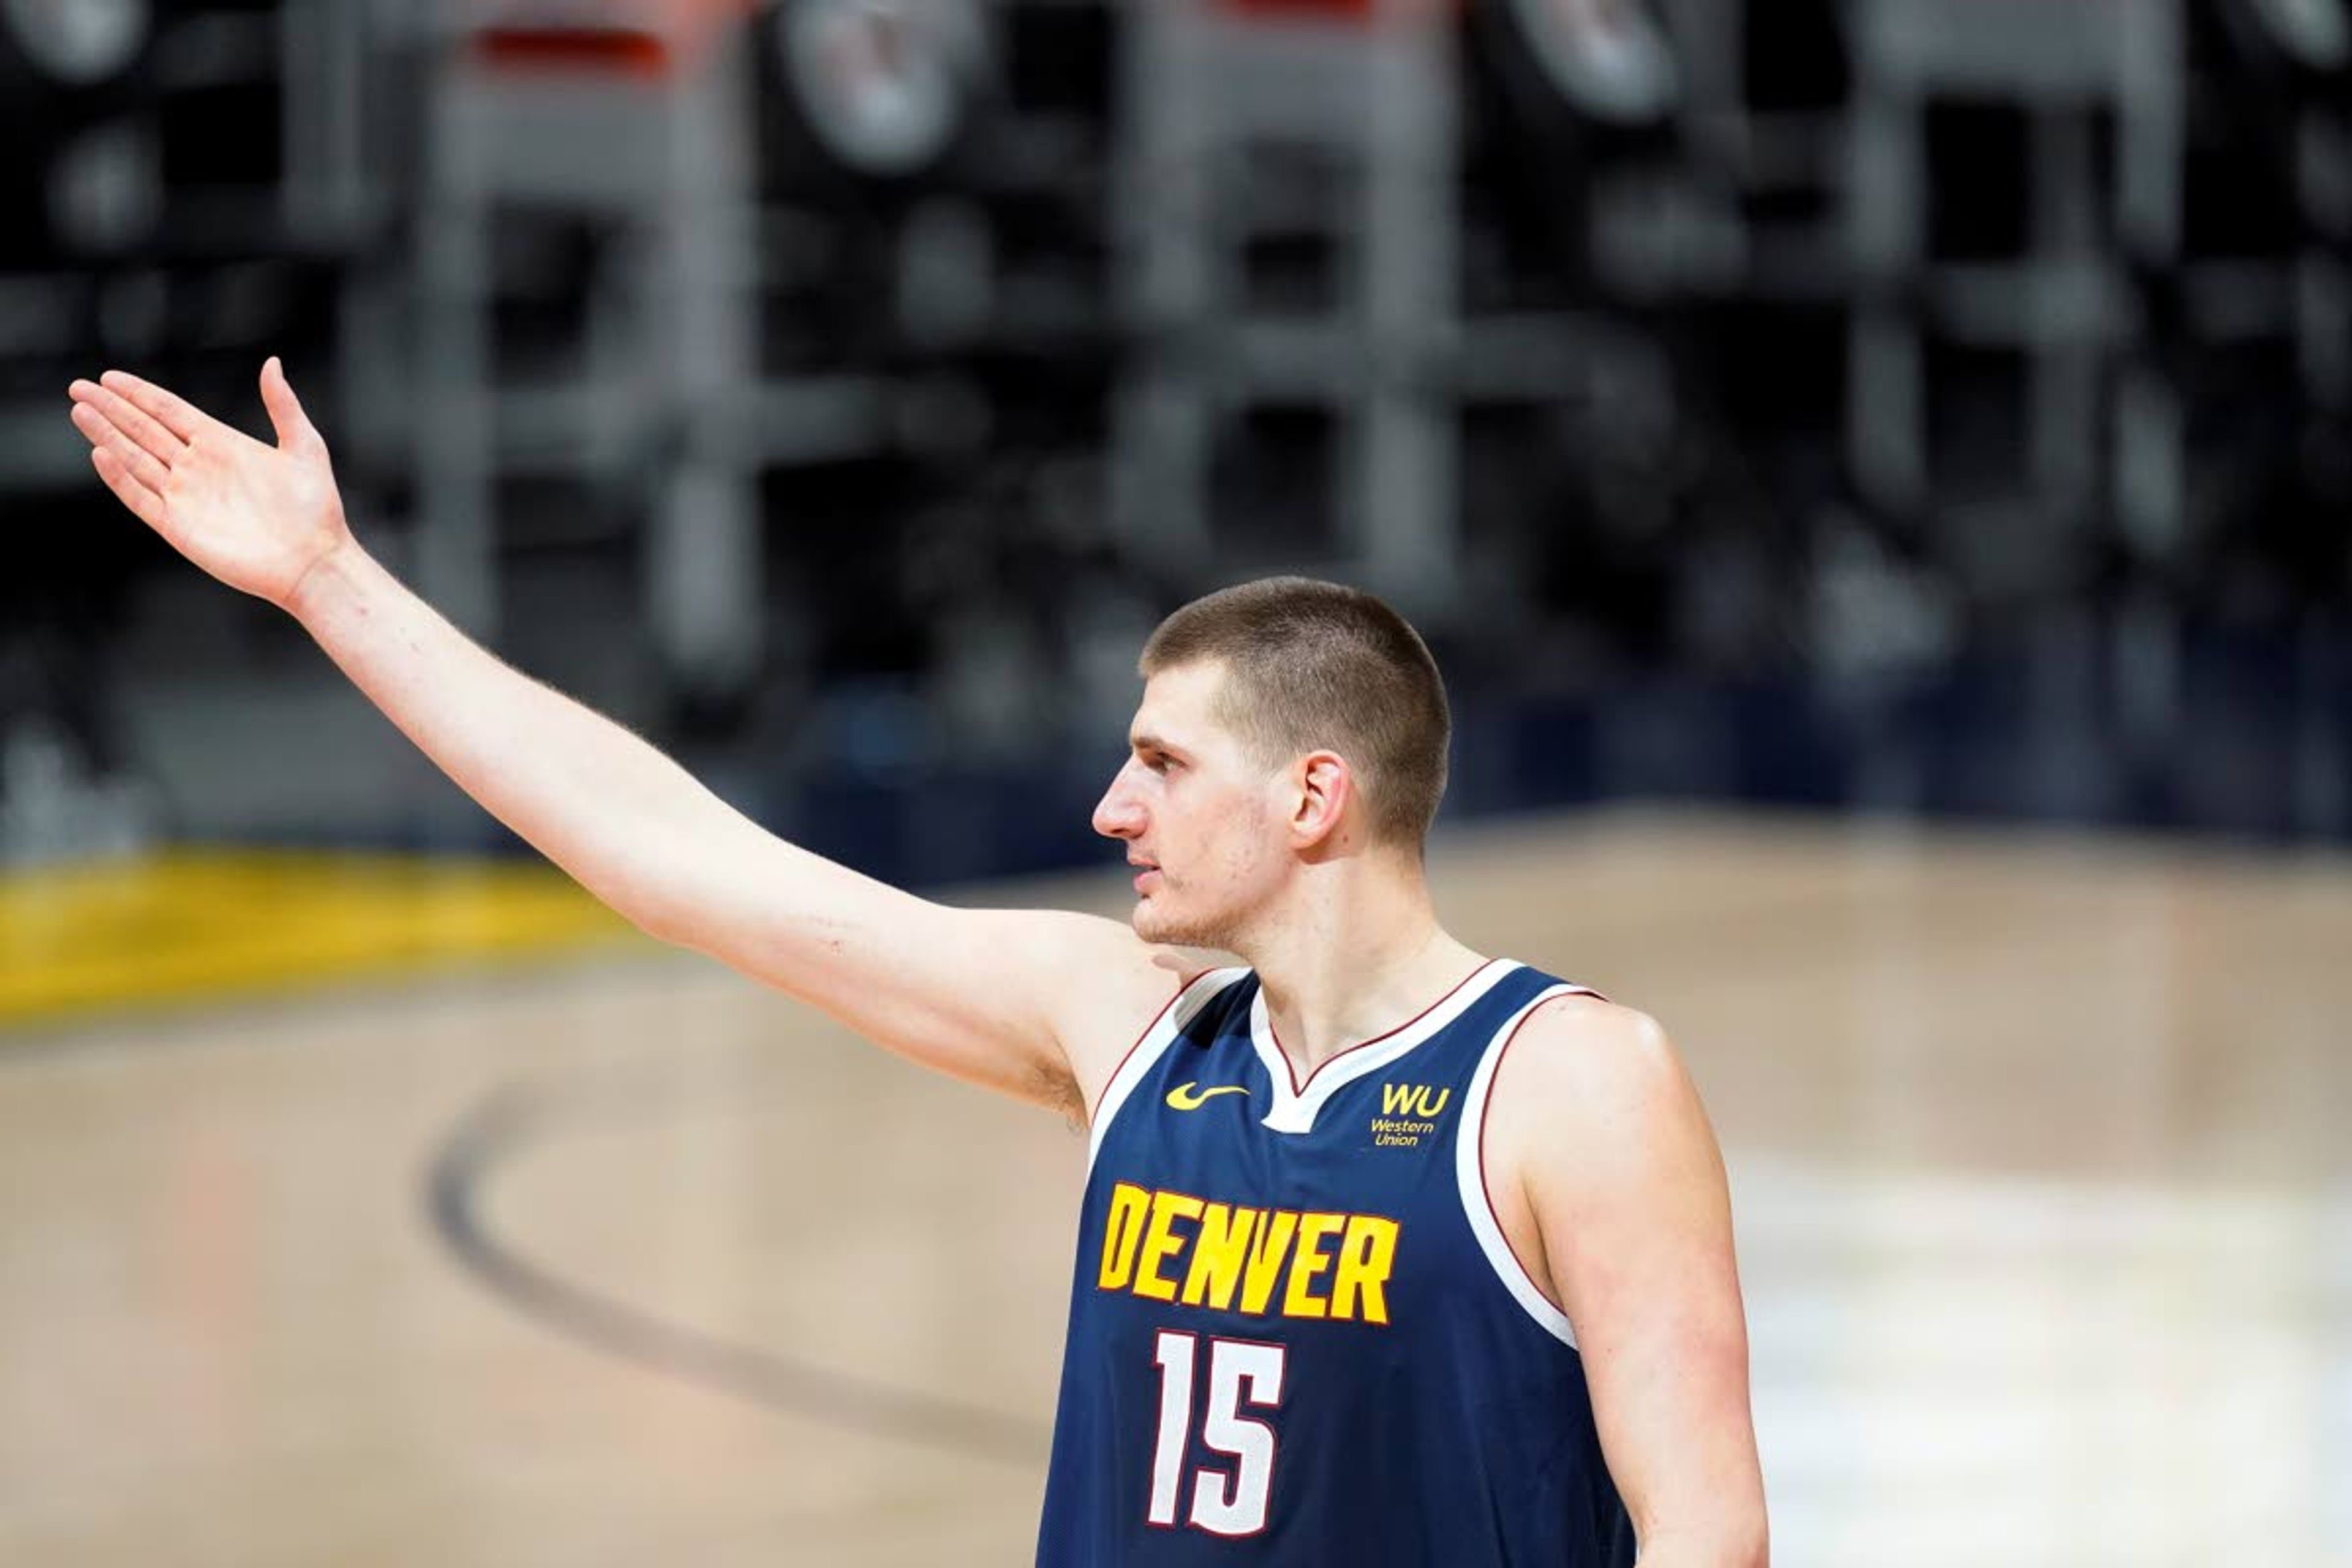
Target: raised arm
[(1616, 1178), (1037, 1005)]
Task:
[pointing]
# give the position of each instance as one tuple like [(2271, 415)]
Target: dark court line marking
[(511, 1120)]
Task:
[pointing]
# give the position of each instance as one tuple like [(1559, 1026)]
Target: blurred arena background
[(1876, 473)]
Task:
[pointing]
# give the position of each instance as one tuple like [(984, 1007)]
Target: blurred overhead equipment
[(69, 45), (599, 159), (1607, 64), (1567, 102), (876, 90), (183, 185), (2287, 83), (655, 39), (2254, 326), (78, 177), (2305, 39), (1288, 225)]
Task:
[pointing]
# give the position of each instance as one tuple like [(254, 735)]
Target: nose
[(1118, 814)]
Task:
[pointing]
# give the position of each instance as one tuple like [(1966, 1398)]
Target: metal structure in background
[(2063, 300), (186, 183), (657, 130), (2097, 442), (637, 259), (67, 74), (2112, 310), (1366, 93), (78, 180), (1332, 131), (187, 189), (638, 124)]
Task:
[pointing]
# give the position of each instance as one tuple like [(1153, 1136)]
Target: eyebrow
[(1148, 741)]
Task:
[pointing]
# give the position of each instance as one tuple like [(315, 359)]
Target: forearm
[(628, 824), (941, 985)]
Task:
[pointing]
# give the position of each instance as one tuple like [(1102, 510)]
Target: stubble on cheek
[(1206, 917)]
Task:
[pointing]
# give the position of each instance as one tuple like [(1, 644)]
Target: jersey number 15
[(1226, 1502)]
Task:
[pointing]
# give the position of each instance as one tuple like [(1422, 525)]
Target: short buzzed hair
[(1313, 665)]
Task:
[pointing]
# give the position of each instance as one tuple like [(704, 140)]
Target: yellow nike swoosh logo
[(1191, 1097)]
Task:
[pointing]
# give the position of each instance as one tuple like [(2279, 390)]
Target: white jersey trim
[(1470, 1176), (1294, 1109), (1145, 1054)]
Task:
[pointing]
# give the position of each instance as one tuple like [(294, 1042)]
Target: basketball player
[(1391, 1253)]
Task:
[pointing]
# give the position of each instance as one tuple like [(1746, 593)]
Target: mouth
[(1144, 872)]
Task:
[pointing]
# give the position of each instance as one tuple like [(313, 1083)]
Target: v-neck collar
[(1295, 1105)]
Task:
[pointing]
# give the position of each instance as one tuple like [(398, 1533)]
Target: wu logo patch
[(1409, 1113), (1412, 1099), (1191, 1097)]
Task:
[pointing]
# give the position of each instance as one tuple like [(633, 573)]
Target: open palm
[(254, 516)]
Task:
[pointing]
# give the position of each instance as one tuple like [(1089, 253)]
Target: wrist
[(329, 584)]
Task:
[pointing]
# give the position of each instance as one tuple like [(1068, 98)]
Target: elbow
[(664, 923), (660, 886), (647, 906)]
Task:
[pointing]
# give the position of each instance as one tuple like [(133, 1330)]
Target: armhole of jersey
[(1470, 1174), (1181, 1010)]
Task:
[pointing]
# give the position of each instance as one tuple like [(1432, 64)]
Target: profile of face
[(1210, 829)]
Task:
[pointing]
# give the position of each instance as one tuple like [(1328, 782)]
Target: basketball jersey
[(1296, 1333)]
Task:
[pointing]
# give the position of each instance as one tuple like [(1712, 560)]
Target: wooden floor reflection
[(2041, 1152)]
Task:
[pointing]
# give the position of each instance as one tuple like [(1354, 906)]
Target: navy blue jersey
[(1296, 1333)]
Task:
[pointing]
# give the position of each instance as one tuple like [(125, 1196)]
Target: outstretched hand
[(254, 516)]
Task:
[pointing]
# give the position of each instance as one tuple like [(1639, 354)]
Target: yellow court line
[(192, 925)]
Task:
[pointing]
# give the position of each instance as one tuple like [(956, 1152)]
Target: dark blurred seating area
[(1896, 405)]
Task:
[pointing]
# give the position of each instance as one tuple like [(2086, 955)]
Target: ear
[(1325, 786)]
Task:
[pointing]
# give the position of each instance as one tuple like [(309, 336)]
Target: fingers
[(143, 502), (125, 417), (181, 418), (109, 437), (146, 448), (286, 415)]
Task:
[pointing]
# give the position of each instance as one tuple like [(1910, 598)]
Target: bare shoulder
[(1604, 1081), (1582, 1045)]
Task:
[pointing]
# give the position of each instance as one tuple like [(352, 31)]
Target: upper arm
[(1036, 1003), (1621, 1175)]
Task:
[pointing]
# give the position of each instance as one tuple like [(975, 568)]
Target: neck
[(1355, 952)]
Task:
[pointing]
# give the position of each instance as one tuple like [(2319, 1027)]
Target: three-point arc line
[(512, 1119)]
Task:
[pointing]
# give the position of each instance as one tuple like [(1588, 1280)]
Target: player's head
[(1284, 723)]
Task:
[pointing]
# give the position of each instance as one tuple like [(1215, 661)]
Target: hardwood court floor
[(2041, 1152)]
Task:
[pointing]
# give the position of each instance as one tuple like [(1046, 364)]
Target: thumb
[(286, 414)]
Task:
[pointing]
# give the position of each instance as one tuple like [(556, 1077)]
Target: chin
[(1148, 922), (1151, 922), (1166, 927)]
